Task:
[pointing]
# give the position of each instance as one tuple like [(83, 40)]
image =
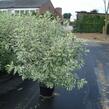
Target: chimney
[(59, 10)]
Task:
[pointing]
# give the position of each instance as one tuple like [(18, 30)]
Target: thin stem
[(108, 7), (105, 5)]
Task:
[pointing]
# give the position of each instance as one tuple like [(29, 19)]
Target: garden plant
[(6, 55), (41, 50)]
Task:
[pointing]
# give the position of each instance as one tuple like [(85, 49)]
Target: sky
[(71, 6)]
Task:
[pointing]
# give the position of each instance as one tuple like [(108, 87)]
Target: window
[(27, 12), (22, 12), (33, 12), (16, 12)]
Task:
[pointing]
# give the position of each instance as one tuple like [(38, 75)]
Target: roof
[(22, 3), (85, 12)]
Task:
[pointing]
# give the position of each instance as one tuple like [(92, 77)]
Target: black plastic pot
[(5, 77), (46, 92)]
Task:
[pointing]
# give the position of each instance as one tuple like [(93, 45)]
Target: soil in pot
[(46, 92)]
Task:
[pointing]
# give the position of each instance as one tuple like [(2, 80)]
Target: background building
[(29, 7)]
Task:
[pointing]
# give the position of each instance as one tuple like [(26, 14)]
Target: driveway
[(100, 58), (94, 95)]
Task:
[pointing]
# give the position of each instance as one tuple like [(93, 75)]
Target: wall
[(47, 7)]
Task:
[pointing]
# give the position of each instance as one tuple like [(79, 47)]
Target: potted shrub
[(45, 52), (6, 55)]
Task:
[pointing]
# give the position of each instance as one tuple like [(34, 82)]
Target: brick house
[(29, 7)]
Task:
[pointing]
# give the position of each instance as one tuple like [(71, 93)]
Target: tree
[(106, 7), (67, 16)]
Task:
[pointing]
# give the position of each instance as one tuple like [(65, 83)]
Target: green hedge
[(89, 24)]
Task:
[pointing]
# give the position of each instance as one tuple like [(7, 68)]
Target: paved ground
[(94, 37), (93, 96), (102, 73)]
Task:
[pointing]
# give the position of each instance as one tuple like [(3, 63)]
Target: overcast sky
[(79, 5)]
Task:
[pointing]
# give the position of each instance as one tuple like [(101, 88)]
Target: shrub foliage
[(6, 28), (89, 24), (42, 50)]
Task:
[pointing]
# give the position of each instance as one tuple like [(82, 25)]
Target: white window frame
[(12, 10)]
